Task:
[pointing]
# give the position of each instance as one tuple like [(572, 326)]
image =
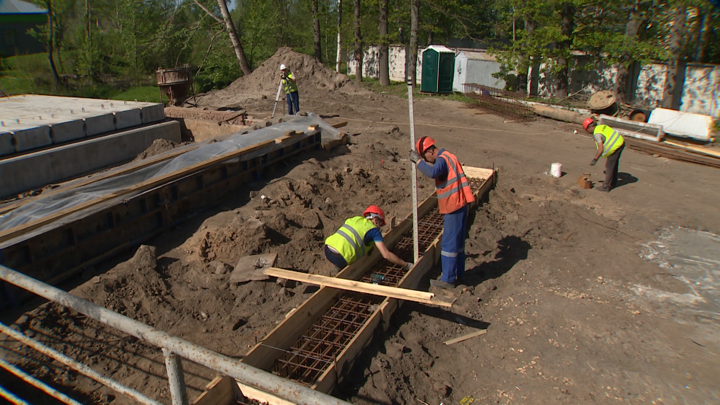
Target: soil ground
[(580, 306)]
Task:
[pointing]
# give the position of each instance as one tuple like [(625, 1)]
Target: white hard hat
[(282, 67)]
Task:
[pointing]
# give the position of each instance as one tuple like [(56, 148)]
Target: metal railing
[(171, 346)]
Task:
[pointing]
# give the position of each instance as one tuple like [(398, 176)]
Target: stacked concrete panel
[(45, 139), (30, 122)]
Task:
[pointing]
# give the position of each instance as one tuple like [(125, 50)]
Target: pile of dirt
[(157, 147), (257, 90)]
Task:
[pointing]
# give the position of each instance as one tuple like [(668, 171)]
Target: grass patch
[(149, 94)]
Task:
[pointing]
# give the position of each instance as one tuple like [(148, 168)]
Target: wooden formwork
[(265, 353), (54, 248)]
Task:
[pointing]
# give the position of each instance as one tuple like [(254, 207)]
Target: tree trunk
[(562, 79), (631, 31), (51, 43), (358, 44), (674, 65), (230, 28), (338, 60), (532, 75), (705, 35), (316, 31), (412, 59), (384, 60)]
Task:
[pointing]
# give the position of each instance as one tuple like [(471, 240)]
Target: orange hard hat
[(587, 122), (424, 144), (375, 211)]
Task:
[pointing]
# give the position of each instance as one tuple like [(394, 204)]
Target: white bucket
[(556, 170)]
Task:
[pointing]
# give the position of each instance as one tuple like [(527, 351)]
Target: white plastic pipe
[(254, 377)]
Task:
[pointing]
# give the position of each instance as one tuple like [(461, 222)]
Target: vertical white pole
[(416, 247)]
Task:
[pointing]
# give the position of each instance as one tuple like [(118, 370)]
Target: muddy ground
[(571, 284)]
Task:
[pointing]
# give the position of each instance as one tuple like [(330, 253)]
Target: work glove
[(592, 162), (409, 265), (414, 156)]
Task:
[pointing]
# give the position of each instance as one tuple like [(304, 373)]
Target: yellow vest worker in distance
[(454, 195), (609, 144), (291, 90), (357, 237)]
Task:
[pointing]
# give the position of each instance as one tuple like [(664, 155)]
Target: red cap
[(587, 122)]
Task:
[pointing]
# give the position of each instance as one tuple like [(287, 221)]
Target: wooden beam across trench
[(264, 354)]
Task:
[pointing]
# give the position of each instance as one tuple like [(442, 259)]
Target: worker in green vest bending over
[(609, 144), (356, 238), (291, 90)]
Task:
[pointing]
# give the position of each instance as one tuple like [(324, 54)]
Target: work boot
[(603, 189), (441, 284)]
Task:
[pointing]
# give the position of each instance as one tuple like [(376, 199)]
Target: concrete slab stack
[(35, 121), (45, 139)]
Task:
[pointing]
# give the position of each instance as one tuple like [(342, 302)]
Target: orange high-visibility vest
[(453, 193)]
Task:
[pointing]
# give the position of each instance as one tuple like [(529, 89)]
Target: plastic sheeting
[(43, 207)]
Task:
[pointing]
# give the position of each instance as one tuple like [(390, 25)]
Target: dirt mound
[(315, 81), (311, 75), (158, 146)]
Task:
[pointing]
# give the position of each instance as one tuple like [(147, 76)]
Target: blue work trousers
[(293, 102), (452, 255)]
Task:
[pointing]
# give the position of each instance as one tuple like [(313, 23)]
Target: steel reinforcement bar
[(317, 343)]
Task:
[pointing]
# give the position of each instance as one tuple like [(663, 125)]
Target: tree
[(383, 49), (413, 54), (358, 44), (338, 59), (316, 30), (676, 65), (230, 29)]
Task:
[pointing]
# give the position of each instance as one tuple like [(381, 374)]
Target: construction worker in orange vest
[(454, 195), (356, 238)]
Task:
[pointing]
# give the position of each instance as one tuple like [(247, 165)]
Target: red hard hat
[(423, 144), (587, 122), (374, 209)]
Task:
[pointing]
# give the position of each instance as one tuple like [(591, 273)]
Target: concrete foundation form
[(35, 170), (54, 245), (317, 343), (30, 122)]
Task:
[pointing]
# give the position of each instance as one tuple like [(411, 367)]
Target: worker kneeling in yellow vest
[(356, 238), (609, 144)]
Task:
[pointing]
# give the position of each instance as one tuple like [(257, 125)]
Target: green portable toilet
[(438, 69)]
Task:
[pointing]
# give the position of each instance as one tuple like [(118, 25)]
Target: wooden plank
[(129, 168), (261, 396), (148, 184), (465, 337), (340, 124), (366, 288), (698, 149), (222, 390)]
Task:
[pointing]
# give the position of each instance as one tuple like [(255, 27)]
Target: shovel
[(277, 97)]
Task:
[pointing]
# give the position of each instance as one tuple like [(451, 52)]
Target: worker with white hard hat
[(291, 90)]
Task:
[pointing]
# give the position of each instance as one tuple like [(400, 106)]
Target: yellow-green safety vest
[(613, 140), (348, 240), (289, 86)]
